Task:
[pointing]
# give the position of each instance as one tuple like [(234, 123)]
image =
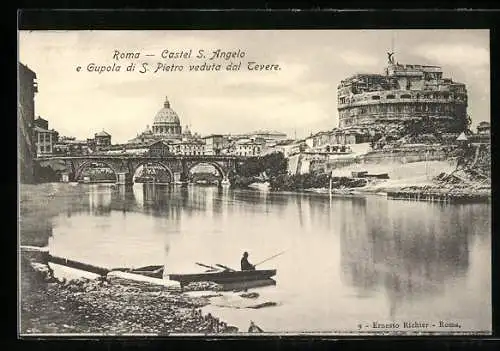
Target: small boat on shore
[(149, 271), (155, 271), (365, 174), (224, 277)]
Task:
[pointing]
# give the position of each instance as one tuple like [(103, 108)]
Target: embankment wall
[(377, 157)]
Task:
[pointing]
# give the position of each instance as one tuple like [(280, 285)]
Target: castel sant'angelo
[(403, 93)]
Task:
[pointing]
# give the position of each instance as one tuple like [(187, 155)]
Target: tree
[(274, 164)]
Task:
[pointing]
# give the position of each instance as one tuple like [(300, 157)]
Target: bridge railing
[(135, 157)]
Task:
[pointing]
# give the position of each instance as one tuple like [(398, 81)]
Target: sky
[(298, 99)]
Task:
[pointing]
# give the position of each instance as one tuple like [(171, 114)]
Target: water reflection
[(123, 199), (100, 202), (408, 249), (390, 258)]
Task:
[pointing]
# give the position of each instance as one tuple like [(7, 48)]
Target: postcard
[(254, 182)]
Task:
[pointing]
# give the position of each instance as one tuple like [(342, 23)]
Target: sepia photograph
[(254, 182)]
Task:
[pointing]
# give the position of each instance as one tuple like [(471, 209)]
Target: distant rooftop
[(102, 134), (462, 137), (212, 136), (42, 130), (267, 132)]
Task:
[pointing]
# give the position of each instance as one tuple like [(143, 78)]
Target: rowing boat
[(148, 271), (225, 277)]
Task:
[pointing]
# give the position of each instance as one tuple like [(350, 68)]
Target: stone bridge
[(125, 166)]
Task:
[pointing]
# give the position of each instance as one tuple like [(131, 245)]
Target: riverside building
[(28, 87), (404, 92), (44, 139)]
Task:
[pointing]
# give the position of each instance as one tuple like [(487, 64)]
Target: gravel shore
[(111, 306)]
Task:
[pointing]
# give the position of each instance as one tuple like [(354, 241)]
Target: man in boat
[(245, 265)]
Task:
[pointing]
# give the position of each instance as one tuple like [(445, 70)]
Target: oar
[(269, 258), (229, 269), (206, 265)]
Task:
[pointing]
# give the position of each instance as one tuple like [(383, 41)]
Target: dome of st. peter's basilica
[(166, 123)]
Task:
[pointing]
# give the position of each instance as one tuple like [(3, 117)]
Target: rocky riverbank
[(111, 306), (458, 185), (454, 187)]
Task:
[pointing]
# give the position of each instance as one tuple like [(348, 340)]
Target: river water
[(350, 263)]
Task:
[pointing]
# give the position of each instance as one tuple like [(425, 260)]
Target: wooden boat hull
[(148, 271), (157, 273), (242, 286), (224, 278)]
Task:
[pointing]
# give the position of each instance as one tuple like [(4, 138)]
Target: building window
[(390, 96), (375, 97), (405, 96)]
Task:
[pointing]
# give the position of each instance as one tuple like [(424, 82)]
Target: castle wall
[(380, 157), (404, 93), (379, 108)]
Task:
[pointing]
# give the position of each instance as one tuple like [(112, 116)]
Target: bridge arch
[(158, 163), (220, 169), (79, 170)]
